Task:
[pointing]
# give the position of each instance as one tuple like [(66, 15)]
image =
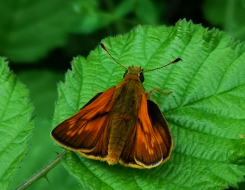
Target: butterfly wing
[(85, 131), (151, 143), (161, 129)]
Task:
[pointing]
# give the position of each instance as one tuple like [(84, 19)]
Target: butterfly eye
[(142, 78), (126, 72)]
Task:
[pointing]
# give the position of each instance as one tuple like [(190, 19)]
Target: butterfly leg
[(158, 91), (148, 94)]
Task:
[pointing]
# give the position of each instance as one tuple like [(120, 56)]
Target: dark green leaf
[(29, 29), (229, 15), (147, 12), (92, 18)]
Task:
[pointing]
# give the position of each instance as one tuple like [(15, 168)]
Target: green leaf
[(29, 29), (147, 6), (43, 91), (124, 8), (16, 123), (205, 111), (227, 14), (92, 18)]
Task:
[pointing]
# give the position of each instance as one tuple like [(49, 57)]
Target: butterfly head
[(134, 71)]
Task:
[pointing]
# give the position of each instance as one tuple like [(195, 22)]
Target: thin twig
[(42, 173)]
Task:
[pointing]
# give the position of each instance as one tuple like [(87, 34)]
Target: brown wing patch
[(84, 131)]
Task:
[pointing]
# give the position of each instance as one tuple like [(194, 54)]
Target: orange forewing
[(148, 151), (85, 130), (161, 130)]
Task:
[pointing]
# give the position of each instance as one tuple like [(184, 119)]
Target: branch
[(42, 173)]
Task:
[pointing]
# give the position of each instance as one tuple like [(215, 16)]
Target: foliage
[(229, 15), (16, 123), (30, 28)]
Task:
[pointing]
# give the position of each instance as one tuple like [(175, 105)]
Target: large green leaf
[(16, 123), (29, 29), (205, 112)]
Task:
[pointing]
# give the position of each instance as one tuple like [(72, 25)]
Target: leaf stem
[(42, 173)]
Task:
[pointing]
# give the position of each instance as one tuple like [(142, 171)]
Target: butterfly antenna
[(174, 61), (103, 46)]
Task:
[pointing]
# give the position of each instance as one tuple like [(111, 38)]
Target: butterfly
[(121, 125)]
